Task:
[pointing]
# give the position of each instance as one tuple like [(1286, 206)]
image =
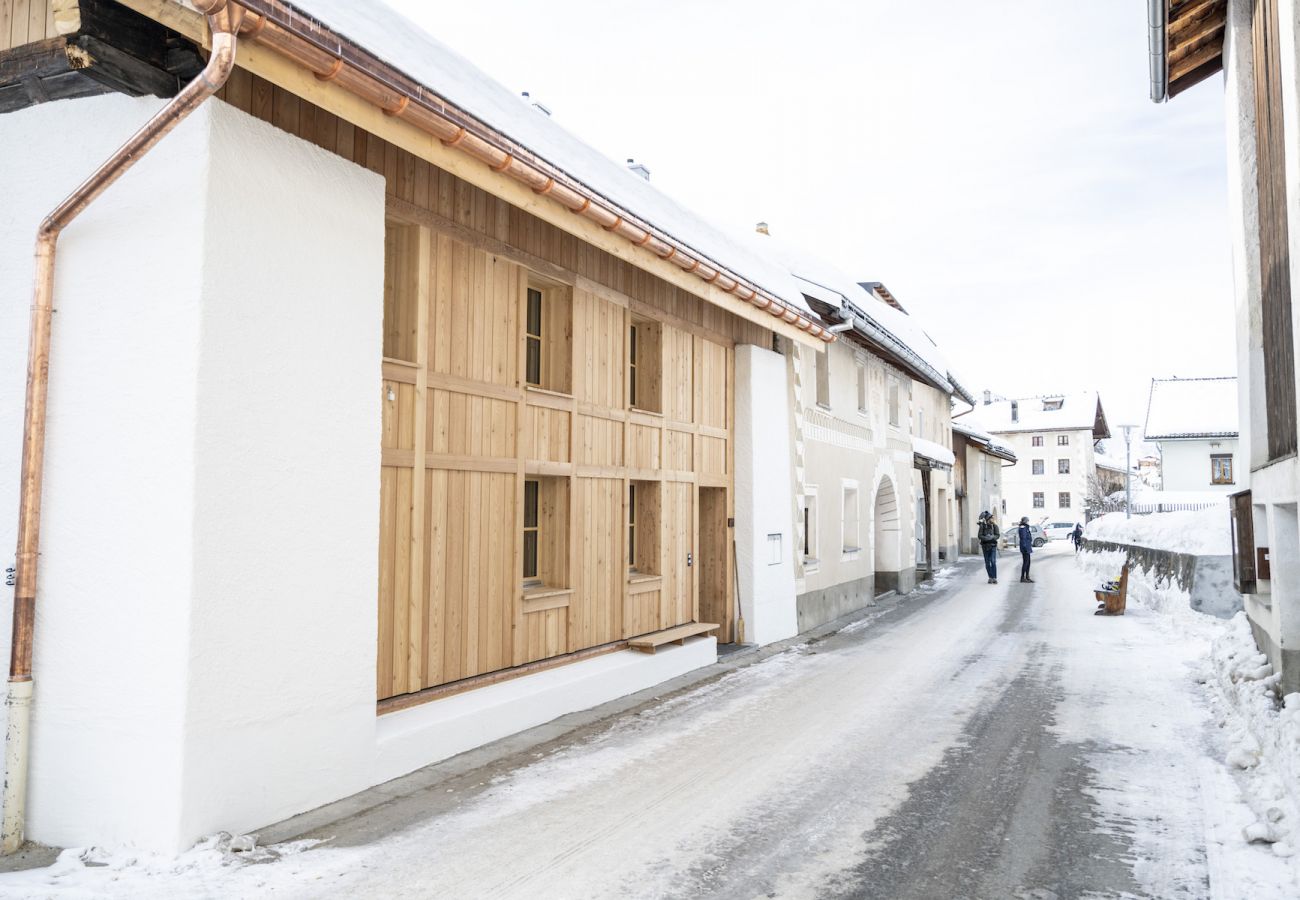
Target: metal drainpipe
[(224, 21), (1157, 17)]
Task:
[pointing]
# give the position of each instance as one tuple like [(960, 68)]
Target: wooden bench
[(647, 643), (1113, 603)]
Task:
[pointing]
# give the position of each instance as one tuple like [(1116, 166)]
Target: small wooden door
[(714, 569), (677, 602)]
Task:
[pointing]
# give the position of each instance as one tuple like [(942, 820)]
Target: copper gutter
[(277, 26), (224, 20)]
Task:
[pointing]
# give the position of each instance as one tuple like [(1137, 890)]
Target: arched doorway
[(886, 536)]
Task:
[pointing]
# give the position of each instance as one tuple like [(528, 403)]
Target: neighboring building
[(1053, 439), (1254, 43), (871, 468), (1149, 471), (1112, 474), (1194, 420), (980, 459), (378, 425)]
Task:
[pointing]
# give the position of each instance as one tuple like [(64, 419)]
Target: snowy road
[(973, 741)]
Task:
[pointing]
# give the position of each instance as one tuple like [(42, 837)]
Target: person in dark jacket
[(1026, 548), (988, 537), (1077, 536)]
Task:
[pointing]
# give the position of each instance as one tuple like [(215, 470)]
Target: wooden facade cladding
[(25, 22), (1274, 241), (463, 431)]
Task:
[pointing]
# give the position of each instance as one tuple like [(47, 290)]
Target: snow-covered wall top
[(1067, 412), (1192, 407), (392, 37)]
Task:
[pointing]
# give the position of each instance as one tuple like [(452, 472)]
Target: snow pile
[(1263, 735), (1204, 532), (1259, 738)]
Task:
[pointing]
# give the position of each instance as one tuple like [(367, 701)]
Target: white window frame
[(860, 362), (822, 373), (850, 524), (894, 395), (809, 508)]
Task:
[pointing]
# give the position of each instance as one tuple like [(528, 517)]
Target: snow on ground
[(1249, 782), (1205, 531)]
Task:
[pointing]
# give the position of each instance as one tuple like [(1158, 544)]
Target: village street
[(969, 741)]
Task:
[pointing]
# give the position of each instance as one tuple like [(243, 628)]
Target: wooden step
[(648, 642)]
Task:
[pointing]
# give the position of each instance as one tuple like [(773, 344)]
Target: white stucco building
[(1194, 421), (1255, 44), (981, 459), (1054, 440)]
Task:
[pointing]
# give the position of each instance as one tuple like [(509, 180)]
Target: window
[(643, 366), (823, 360), (1036, 440), (1063, 467), (546, 532), (643, 527), (533, 338), (920, 423), (810, 525), (862, 386), (849, 520), (548, 347), (1062, 440), (1221, 468), (1038, 467), (1039, 502), (894, 400), (1063, 500)]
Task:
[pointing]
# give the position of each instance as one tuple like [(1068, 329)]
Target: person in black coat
[(988, 537), (1026, 548), (1077, 536)]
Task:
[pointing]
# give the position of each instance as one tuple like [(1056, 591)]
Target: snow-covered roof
[(823, 281), (932, 451), (1059, 412), (382, 31), (973, 430), (1192, 408), (1114, 463)]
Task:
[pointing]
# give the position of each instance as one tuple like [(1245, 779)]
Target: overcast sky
[(997, 165)]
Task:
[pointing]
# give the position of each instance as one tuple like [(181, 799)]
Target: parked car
[(1011, 539), (1058, 531)]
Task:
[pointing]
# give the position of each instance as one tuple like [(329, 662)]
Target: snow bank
[(1259, 737), (1204, 532), (1263, 734)]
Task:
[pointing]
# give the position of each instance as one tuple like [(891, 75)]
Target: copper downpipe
[(224, 21), (278, 27)]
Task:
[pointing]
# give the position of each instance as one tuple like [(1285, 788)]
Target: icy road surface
[(973, 741)]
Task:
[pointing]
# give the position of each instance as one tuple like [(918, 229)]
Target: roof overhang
[(1199, 436), (291, 48), (1186, 43), (984, 443)]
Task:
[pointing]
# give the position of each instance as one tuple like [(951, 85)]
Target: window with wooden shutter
[(1275, 262)]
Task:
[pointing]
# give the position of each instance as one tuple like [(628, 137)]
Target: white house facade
[(1053, 439), (1194, 421)]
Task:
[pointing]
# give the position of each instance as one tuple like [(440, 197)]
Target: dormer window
[(1054, 404)]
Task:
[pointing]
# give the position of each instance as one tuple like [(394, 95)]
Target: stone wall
[(1206, 579)]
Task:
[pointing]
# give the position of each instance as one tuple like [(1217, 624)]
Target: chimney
[(761, 228), (639, 168), (1015, 411), (988, 397)]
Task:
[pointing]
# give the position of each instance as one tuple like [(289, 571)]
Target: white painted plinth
[(441, 729)]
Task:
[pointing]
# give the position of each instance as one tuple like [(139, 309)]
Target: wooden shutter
[(1243, 543), (1275, 261)]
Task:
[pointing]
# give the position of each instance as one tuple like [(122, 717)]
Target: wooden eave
[(1194, 32), (102, 48), (326, 94)]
